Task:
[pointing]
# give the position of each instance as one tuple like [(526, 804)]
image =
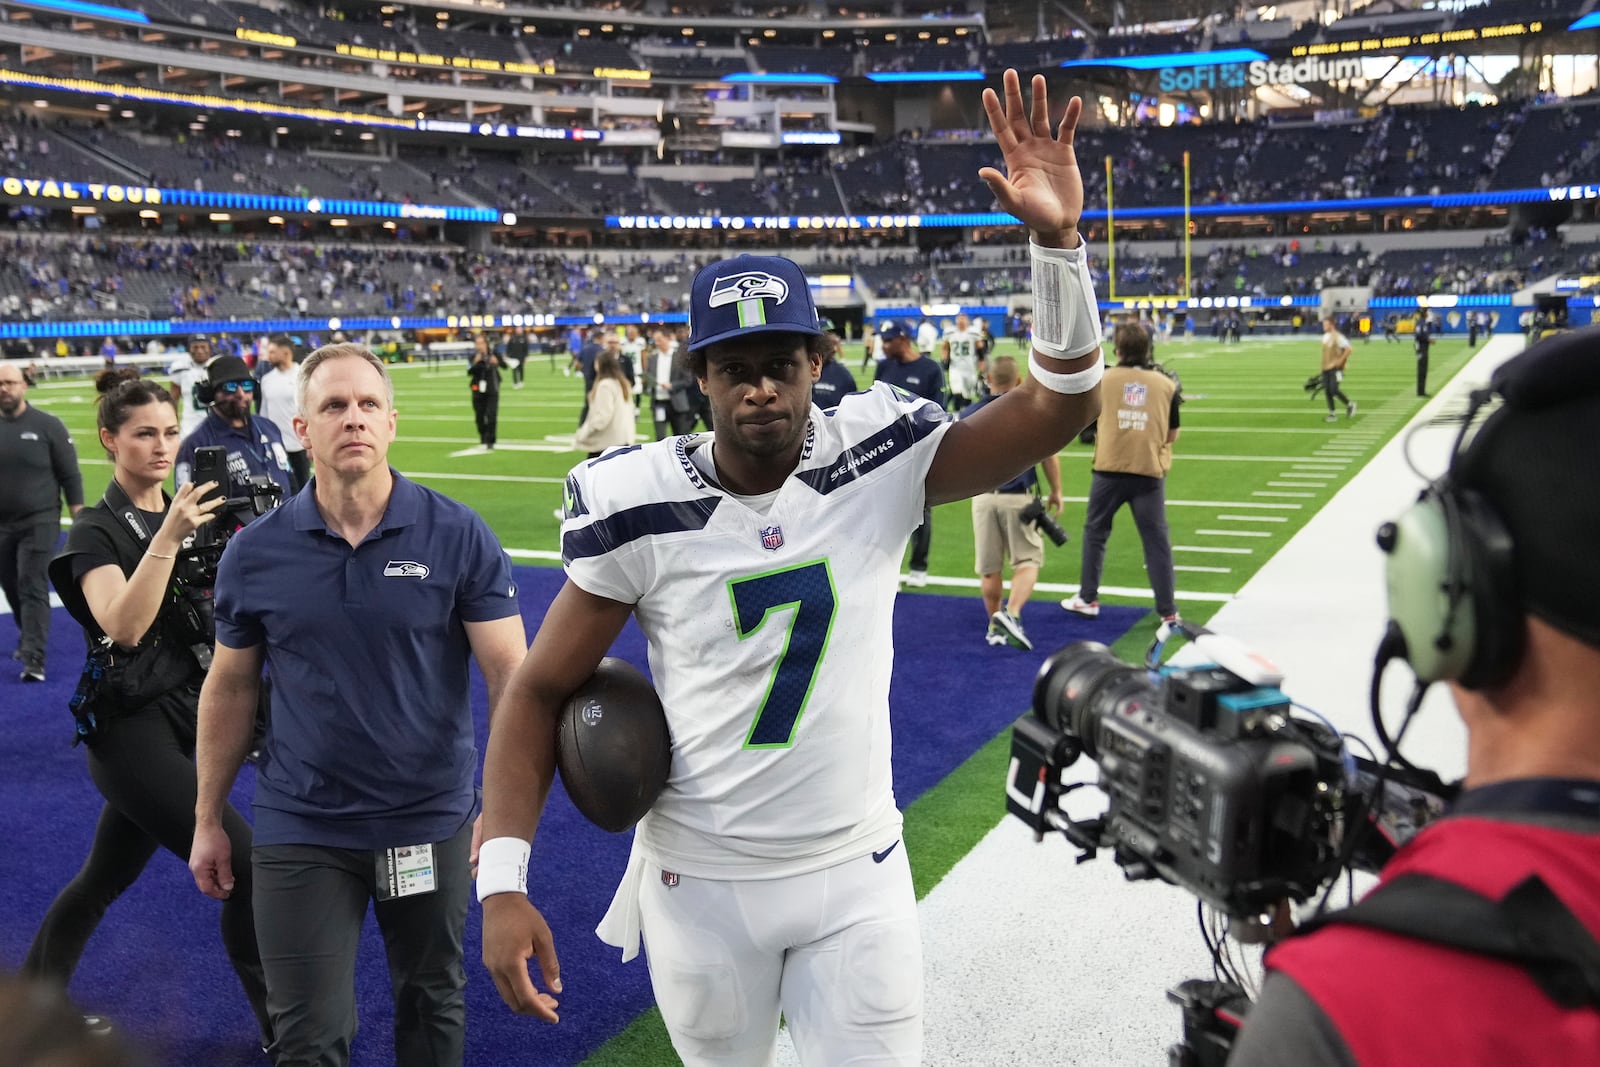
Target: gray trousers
[(310, 901), (25, 551), (1147, 498)]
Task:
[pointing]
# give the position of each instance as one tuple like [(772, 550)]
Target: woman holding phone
[(121, 576)]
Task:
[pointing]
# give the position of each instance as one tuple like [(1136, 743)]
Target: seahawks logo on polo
[(405, 568), (748, 291)]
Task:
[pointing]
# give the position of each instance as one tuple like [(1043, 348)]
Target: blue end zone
[(156, 965)]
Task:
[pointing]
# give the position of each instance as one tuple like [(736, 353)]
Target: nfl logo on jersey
[(1133, 395), (772, 538)]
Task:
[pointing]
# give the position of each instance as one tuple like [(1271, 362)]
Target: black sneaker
[(33, 669)]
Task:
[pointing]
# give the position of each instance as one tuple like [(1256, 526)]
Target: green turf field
[(1255, 460)]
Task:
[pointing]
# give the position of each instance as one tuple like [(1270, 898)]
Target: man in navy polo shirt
[(254, 444), (367, 594)]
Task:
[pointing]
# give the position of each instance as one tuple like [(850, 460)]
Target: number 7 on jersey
[(808, 589)]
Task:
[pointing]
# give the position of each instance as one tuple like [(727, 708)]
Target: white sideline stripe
[(1200, 403), (1214, 550), (1062, 587), (1225, 504), (1262, 492), (457, 477), (1186, 457), (1251, 429), (1254, 518), (532, 553), (1201, 570), (1235, 533)]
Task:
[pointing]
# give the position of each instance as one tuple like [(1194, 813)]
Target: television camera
[(195, 574), (1213, 783)]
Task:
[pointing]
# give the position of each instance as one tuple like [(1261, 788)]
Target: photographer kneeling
[(1495, 586), (125, 577)]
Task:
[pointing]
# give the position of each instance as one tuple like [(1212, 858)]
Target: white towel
[(620, 926)]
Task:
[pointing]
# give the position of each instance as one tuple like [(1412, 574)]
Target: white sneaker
[(917, 579), (1089, 609), (1350, 410), (1011, 628), (561, 515), (995, 637)]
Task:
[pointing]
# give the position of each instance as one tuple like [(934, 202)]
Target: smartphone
[(211, 465)]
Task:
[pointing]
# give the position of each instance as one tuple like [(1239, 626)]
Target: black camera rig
[(1214, 784), (195, 573)]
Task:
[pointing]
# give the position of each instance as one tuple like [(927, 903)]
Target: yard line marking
[(1198, 570), (1235, 533), (1253, 518), (1214, 550), (1261, 492), (1298, 485)]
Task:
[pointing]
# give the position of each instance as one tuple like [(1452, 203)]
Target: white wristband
[(503, 866), (1066, 316), (1078, 382)]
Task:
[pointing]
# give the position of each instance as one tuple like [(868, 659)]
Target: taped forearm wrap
[(1066, 316), (503, 867)]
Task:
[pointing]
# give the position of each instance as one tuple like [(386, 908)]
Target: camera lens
[(1083, 682)]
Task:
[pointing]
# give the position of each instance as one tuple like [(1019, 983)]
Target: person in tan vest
[(1133, 450)]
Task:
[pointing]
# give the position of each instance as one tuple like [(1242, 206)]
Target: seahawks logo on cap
[(751, 285)]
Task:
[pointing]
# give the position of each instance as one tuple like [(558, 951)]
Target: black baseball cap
[(226, 369)]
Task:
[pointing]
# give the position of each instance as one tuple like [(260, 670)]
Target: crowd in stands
[(48, 277)]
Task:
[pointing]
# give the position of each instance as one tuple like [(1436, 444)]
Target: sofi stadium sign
[(1261, 72)]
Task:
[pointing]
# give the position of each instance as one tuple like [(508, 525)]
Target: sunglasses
[(235, 387)]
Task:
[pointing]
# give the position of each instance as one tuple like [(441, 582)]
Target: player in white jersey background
[(964, 363), (761, 562)]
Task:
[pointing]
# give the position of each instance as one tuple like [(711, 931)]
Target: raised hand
[(1042, 186), (189, 511)]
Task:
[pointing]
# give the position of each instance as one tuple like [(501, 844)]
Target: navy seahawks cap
[(748, 295), (892, 329)]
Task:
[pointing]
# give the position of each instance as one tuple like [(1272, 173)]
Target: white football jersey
[(769, 631), (186, 374)]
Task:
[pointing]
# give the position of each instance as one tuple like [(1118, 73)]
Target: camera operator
[(1502, 600), (1000, 529), (136, 706), (1134, 435), (255, 447)]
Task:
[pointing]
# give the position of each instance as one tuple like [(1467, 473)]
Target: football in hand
[(613, 748)]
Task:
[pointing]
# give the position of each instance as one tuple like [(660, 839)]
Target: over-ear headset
[(1451, 568)]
